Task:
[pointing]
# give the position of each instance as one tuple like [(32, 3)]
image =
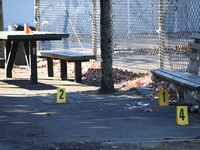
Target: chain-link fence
[(178, 19), (147, 34), (73, 17)]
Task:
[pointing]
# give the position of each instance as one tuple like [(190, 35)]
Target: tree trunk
[(1, 29), (107, 83)]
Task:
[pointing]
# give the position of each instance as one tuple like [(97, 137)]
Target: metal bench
[(185, 83), (64, 57)]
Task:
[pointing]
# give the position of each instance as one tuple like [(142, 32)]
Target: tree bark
[(1, 29), (107, 82)]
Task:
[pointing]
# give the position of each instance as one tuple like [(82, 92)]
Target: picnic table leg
[(26, 50), (33, 62), (10, 53), (50, 67), (78, 71), (63, 69)]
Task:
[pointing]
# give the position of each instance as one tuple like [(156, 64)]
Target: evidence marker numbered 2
[(61, 95)]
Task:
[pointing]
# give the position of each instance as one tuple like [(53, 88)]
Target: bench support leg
[(63, 69), (78, 71), (180, 97), (196, 95), (50, 67), (185, 98)]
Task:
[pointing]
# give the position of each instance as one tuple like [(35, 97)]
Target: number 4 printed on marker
[(182, 115)]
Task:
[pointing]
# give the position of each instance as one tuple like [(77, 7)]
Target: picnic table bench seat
[(185, 83), (64, 57)]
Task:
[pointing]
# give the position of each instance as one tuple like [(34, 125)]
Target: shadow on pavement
[(25, 84)]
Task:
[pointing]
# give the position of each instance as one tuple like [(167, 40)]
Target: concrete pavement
[(30, 118)]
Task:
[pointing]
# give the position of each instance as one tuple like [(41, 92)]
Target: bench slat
[(196, 36), (185, 75), (70, 56), (179, 77), (182, 74), (192, 55)]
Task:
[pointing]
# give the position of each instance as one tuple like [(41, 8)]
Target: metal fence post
[(94, 27), (37, 19), (161, 32)]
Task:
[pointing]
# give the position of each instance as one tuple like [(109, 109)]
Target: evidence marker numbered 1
[(182, 115), (163, 99), (61, 95)]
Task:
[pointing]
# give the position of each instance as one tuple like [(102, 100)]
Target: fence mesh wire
[(73, 17), (147, 34), (179, 21)]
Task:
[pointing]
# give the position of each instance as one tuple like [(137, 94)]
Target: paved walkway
[(30, 118)]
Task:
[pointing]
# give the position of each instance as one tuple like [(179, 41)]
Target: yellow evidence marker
[(163, 99), (61, 95), (182, 115)]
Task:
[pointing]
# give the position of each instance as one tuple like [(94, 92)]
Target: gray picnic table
[(12, 39)]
